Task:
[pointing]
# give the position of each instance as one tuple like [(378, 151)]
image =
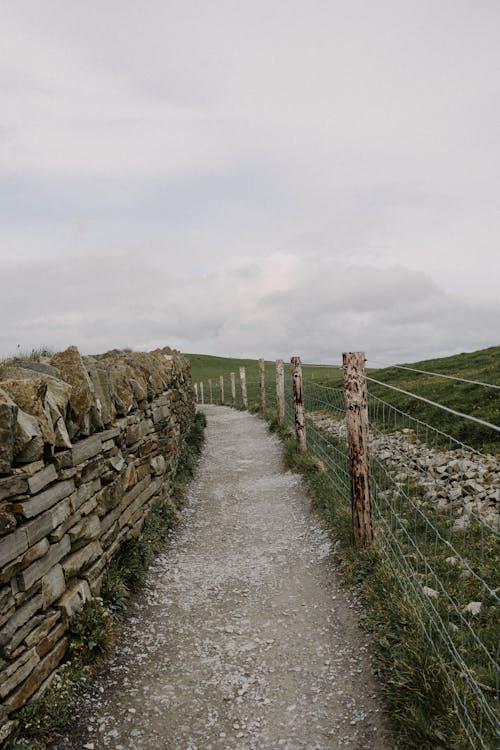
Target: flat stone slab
[(85, 449), (42, 478), (46, 499), (15, 485), (41, 567), (12, 545)]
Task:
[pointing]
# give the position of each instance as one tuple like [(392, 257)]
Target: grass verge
[(92, 630)]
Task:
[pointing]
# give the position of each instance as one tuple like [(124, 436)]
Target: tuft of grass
[(114, 590), (194, 444), (91, 632), (37, 354)]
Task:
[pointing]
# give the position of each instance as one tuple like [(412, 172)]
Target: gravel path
[(242, 638)]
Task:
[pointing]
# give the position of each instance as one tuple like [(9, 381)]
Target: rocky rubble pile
[(456, 481), (87, 446)]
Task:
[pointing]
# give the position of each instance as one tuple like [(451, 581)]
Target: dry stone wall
[(88, 445)]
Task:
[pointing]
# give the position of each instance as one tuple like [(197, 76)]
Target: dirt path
[(242, 639)]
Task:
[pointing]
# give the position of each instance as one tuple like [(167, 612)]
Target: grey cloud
[(241, 178), (103, 302)]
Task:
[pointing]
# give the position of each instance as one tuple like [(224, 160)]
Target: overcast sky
[(256, 178)]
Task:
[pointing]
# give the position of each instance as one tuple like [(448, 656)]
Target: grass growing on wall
[(92, 630), (28, 355)]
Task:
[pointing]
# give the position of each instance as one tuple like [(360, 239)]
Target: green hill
[(475, 400)]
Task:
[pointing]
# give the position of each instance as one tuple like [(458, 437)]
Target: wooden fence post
[(280, 391), (298, 402), (262, 385), (210, 391), (233, 388), (221, 389), (202, 395), (196, 393), (356, 402), (243, 383)]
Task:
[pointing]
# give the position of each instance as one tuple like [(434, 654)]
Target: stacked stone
[(458, 480), (88, 445)]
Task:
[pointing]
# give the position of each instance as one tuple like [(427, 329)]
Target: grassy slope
[(483, 365), (204, 366)]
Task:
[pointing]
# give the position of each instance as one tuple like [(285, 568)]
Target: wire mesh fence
[(437, 525)]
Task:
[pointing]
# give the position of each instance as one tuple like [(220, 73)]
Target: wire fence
[(437, 524)]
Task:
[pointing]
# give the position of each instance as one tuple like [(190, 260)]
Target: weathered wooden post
[(356, 402), (262, 385), (221, 389), (298, 403), (280, 391), (233, 388), (196, 393), (202, 395), (243, 383)]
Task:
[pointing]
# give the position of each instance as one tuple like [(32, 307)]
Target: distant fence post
[(221, 388), (298, 403), (243, 383), (196, 393), (210, 391), (233, 388), (356, 401), (280, 391), (262, 385), (202, 395)]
